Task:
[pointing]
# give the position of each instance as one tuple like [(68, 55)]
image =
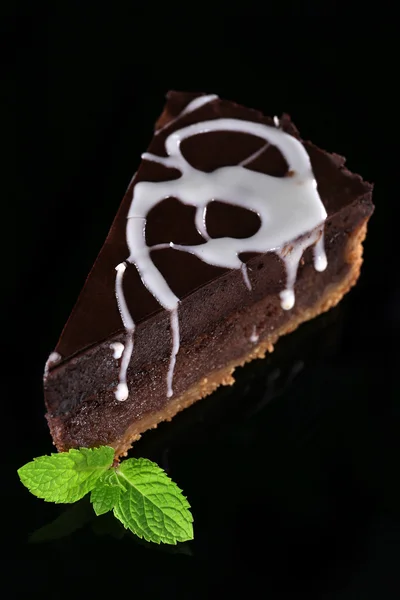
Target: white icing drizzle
[(255, 155), (258, 153), (246, 277), (200, 221), (254, 336), (119, 292), (53, 358), (122, 391), (175, 350), (191, 107), (291, 256), (289, 209), (118, 349)]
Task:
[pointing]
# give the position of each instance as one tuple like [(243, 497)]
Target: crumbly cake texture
[(223, 324)]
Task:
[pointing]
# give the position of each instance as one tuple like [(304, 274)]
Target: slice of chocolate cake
[(232, 232)]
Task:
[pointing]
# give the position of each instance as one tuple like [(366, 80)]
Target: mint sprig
[(138, 491)]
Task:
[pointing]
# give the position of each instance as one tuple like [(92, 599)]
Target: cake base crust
[(333, 294)]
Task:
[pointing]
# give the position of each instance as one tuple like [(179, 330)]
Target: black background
[(293, 474)]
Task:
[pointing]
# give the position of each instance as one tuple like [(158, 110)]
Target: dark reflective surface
[(292, 474)]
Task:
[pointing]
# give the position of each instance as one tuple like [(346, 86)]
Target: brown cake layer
[(217, 313)]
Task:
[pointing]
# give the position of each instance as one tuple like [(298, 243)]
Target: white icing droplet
[(276, 121), (287, 299), (191, 107), (118, 349), (320, 259), (122, 391), (175, 349), (53, 358), (289, 209), (254, 337)]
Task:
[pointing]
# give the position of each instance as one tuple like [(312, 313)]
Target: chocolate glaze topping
[(95, 316)]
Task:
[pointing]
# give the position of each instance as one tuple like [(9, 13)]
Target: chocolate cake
[(232, 233)]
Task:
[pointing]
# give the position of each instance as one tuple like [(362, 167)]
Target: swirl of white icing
[(291, 213)]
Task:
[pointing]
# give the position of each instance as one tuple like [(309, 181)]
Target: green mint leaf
[(104, 496), (68, 476), (152, 507)]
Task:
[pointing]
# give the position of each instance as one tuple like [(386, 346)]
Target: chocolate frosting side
[(95, 316)]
